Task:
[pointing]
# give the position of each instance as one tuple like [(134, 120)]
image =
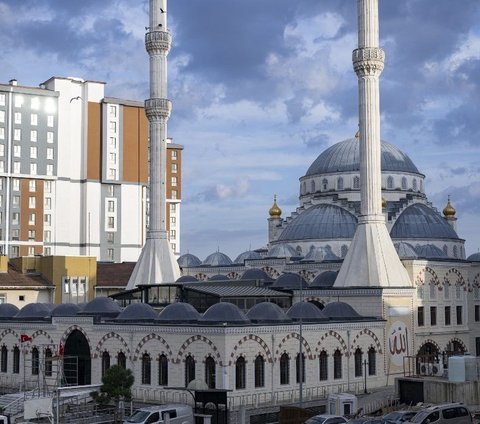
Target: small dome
[(197, 384), (275, 211), (289, 281), (218, 277), (101, 306), (324, 280), (267, 312), (188, 260), (217, 259), (420, 221), (245, 256), (137, 312), (179, 313), (475, 257), (305, 311), (187, 279), (449, 211), (65, 310), (255, 274), (320, 254), (321, 222), (430, 251), (282, 251), (34, 311), (340, 310), (405, 250), (8, 311), (224, 312)]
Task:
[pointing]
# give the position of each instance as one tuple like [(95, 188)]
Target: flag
[(61, 349), (24, 338)]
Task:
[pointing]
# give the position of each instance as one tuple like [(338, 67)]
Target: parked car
[(326, 419), (397, 417), (366, 420), (178, 414), (447, 413)]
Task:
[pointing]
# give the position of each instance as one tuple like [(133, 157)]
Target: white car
[(326, 419)]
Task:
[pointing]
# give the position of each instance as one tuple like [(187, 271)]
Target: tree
[(116, 385)]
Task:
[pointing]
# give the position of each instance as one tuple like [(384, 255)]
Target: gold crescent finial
[(449, 211), (275, 211)]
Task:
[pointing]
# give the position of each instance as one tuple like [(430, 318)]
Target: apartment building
[(74, 172)]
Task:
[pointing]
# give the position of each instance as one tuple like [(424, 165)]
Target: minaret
[(371, 259), (157, 263)]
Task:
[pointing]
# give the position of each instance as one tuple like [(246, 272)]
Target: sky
[(261, 87)]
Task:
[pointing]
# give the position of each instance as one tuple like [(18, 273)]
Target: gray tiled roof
[(236, 291)]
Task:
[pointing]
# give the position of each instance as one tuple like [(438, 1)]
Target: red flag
[(61, 349), (24, 338)]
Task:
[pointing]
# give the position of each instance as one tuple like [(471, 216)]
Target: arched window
[(358, 362), (35, 361), (304, 188), (300, 368), (284, 369), (48, 362), (372, 361), (446, 290), (105, 362), (337, 364), (210, 372), (390, 182), (445, 249), (4, 359), (146, 369), (414, 184), (344, 250), (340, 183), (259, 371), (433, 291), (312, 186), (299, 250), (240, 373), (189, 369), (455, 252), (323, 359), (324, 184), (421, 186), (404, 183), (162, 370), (356, 182), (122, 360), (16, 360)]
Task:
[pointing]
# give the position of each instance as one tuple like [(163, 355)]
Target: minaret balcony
[(158, 41), (368, 61), (158, 108)]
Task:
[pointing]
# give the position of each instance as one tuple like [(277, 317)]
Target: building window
[(113, 110), (324, 184), (4, 359), (31, 235), (122, 360), (323, 366), (300, 368), (446, 290), (49, 137), (2, 99), (47, 236), (113, 126), (146, 369), (174, 194), (174, 247), (49, 169), (337, 364), (32, 185), (356, 182), (35, 103), (162, 370), (15, 218), (50, 120), (2, 166), (18, 100), (448, 315), (15, 235), (284, 369), (113, 158), (174, 167), (414, 184), (33, 119), (48, 203), (433, 291), (16, 360), (2, 150), (33, 135), (18, 118), (33, 152), (459, 315), (174, 154), (404, 183), (458, 291), (173, 234), (455, 252), (48, 219), (48, 186), (111, 206), (2, 116), (50, 154), (312, 186), (174, 181), (358, 362), (31, 219), (420, 316), (210, 372), (110, 254), (340, 184), (372, 361), (111, 190), (259, 371), (14, 252), (113, 142), (111, 222), (105, 362), (240, 373), (112, 173), (110, 237), (189, 369), (390, 182), (17, 151), (2, 133), (173, 220), (48, 362), (433, 315), (16, 200), (173, 207), (33, 168), (32, 201), (35, 361), (15, 184), (477, 313)]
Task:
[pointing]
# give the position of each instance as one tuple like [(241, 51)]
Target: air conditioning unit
[(431, 369)]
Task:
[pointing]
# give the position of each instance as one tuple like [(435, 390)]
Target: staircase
[(12, 403)]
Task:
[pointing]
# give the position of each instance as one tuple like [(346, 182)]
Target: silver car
[(449, 413), (398, 417), (326, 419)]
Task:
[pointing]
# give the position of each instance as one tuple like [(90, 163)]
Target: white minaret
[(371, 259), (157, 263)]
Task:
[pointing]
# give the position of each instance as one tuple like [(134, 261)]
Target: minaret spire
[(157, 263), (371, 259)]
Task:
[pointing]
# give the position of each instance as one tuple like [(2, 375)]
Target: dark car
[(366, 420), (398, 417)]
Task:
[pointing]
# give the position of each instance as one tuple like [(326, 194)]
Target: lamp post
[(365, 364), (300, 358)]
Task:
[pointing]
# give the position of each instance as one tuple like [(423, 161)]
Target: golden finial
[(357, 134), (384, 203), (449, 210), (275, 211)]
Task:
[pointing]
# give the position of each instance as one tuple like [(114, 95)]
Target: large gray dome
[(224, 312), (179, 313), (101, 306), (340, 310), (306, 311), (290, 281), (137, 312), (8, 311), (34, 311), (324, 280), (282, 250), (420, 221), (255, 274), (267, 312), (324, 222), (430, 251), (405, 250), (217, 259), (187, 279), (65, 310), (249, 254), (345, 157), (475, 257), (188, 260)]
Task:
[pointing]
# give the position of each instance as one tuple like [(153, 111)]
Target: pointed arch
[(421, 277), (146, 339), (9, 331), (42, 333), (307, 348), (202, 339), (335, 335), (70, 330), (254, 338), (372, 335), (111, 335), (459, 281)]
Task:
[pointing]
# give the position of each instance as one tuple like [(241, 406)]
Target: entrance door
[(77, 359)]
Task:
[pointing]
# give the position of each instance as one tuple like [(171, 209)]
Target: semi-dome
[(289, 281), (179, 313), (320, 254), (217, 259), (340, 310), (102, 307), (245, 256), (34, 311), (267, 312), (255, 274), (224, 312), (430, 251), (322, 222), (420, 221), (282, 250), (345, 157), (305, 311), (405, 250), (65, 310), (8, 311), (324, 280), (474, 257), (137, 312), (188, 260), (187, 279), (218, 277)]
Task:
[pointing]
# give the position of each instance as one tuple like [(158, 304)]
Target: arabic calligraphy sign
[(397, 342)]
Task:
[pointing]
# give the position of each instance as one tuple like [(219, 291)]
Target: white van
[(178, 414), (447, 413)]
